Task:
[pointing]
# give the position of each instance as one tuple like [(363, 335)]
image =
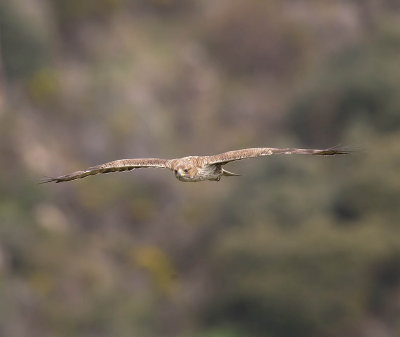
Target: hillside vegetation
[(296, 246)]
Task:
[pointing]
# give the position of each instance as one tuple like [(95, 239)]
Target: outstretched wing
[(227, 157), (113, 166)]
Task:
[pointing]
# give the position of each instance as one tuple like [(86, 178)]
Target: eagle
[(192, 168)]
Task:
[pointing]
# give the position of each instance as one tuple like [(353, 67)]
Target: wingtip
[(46, 180), (335, 150)]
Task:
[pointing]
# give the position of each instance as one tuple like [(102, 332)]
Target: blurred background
[(297, 246)]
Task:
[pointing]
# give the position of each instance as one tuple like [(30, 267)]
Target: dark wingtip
[(334, 151), (46, 180)]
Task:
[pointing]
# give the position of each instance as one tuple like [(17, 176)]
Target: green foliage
[(75, 11), (255, 38), (220, 332), (357, 86), (23, 50)]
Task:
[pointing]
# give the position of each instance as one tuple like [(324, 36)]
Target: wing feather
[(227, 157), (113, 166)]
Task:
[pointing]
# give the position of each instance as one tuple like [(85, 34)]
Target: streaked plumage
[(192, 168)]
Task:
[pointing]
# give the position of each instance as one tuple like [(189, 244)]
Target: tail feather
[(229, 174)]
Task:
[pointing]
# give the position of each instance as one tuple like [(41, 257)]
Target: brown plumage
[(192, 168)]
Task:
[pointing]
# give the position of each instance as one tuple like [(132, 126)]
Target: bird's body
[(191, 168), (194, 168)]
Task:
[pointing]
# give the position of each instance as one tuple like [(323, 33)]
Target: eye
[(186, 170), (175, 171)]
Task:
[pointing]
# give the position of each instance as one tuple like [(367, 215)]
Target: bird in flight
[(192, 168)]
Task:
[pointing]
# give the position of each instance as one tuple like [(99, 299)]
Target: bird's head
[(185, 173)]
